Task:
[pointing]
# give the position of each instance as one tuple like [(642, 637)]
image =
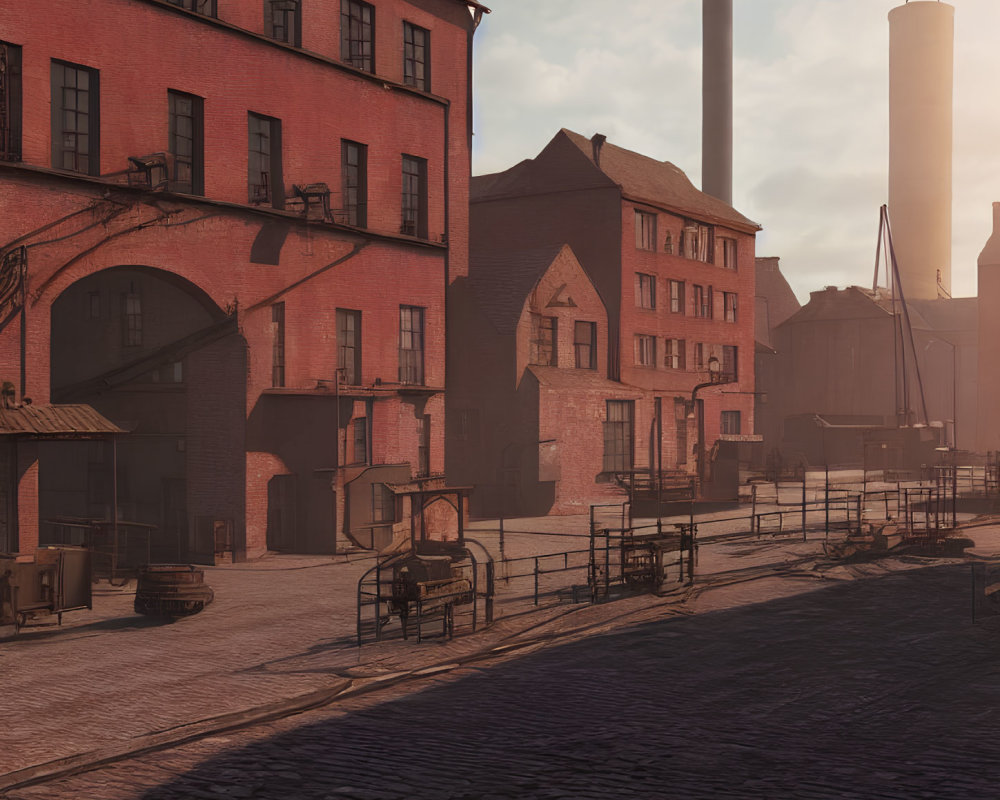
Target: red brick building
[(675, 270), (235, 223)]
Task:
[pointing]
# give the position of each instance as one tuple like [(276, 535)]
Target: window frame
[(677, 297), (704, 301), (11, 102), (278, 362), (383, 506), (730, 305), (272, 190), (354, 178), (730, 423), (413, 206), (544, 341), (675, 354), (361, 61), (619, 436), (196, 159), (291, 13), (349, 352), (645, 230), (643, 298), (423, 465), (359, 435), (412, 338), (58, 74), (585, 330), (131, 319), (730, 362), (411, 60), (730, 252), (645, 350)]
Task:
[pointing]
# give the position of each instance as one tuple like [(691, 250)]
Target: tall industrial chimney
[(921, 44), (717, 98)]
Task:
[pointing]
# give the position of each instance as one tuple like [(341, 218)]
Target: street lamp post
[(715, 377)]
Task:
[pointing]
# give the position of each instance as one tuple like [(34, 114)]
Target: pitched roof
[(659, 183), (640, 178), (503, 279), (55, 422)]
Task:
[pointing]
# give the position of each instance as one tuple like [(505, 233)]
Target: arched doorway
[(153, 353)]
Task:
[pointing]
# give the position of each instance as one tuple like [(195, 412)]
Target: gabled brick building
[(674, 267), (229, 227)]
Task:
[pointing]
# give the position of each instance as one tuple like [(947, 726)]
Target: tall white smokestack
[(717, 98), (921, 45)]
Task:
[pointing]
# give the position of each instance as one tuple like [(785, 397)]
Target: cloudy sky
[(810, 111)]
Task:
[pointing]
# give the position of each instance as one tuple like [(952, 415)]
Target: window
[(95, 305), (645, 350), (674, 354), (729, 303), (264, 162), (645, 290), (187, 119), (414, 221), (10, 102), (206, 7), (703, 302), (699, 356), (357, 34), (423, 445), (730, 422), (411, 344), (727, 251), (618, 433), (681, 430), (349, 346), (585, 344), (730, 362), (354, 182), (544, 338), (283, 21), (416, 57), (131, 320), (359, 453), (383, 503), (278, 344), (697, 241), (645, 230), (75, 118), (676, 297)]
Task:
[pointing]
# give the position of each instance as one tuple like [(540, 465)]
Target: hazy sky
[(810, 116)]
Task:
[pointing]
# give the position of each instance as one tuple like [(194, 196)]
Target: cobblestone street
[(778, 674)]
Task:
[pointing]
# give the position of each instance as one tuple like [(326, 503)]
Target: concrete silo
[(921, 45)]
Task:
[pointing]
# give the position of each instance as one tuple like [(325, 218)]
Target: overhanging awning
[(77, 421)]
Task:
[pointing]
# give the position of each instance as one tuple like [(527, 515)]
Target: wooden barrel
[(172, 590)]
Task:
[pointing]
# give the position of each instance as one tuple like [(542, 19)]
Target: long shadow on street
[(873, 688)]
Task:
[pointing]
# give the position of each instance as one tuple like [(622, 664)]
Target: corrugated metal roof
[(55, 421)]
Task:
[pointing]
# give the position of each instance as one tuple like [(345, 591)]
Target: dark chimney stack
[(597, 142), (717, 99)]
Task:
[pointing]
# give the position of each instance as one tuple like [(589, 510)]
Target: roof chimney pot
[(597, 142)]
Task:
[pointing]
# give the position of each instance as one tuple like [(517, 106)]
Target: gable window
[(131, 319), (727, 248), (618, 436), (284, 21), (645, 230), (730, 362), (359, 453), (674, 354), (703, 302), (416, 57), (278, 345), (10, 102), (729, 304), (264, 179), (411, 344), (354, 182), (676, 297), (585, 344), (645, 350), (187, 116), (206, 7), (544, 335), (697, 241), (730, 422), (349, 345), (645, 290), (357, 34), (75, 118), (414, 221)]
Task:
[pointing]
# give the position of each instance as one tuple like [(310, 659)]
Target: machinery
[(57, 579)]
